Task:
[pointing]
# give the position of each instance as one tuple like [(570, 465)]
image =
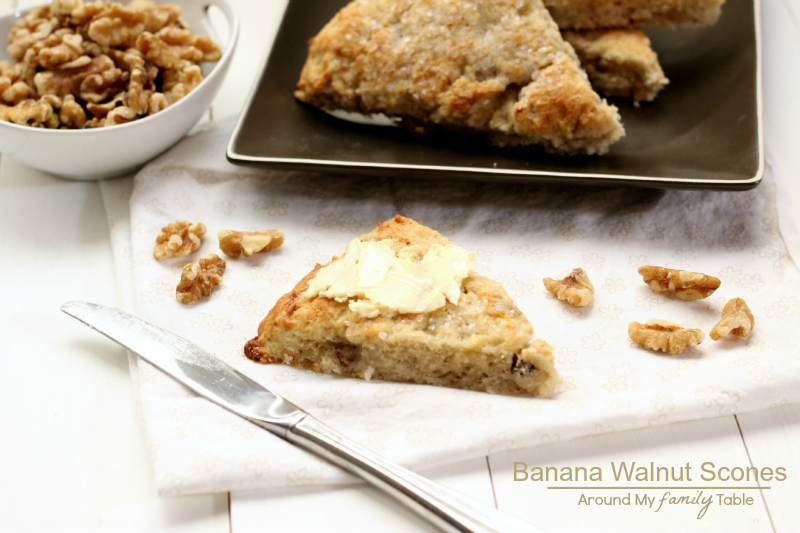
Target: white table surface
[(72, 456)]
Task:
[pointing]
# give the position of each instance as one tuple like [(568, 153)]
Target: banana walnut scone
[(500, 68), (619, 62), (403, 304), (596, 14)]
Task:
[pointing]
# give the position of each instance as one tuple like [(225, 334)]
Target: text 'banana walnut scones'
[(499, 67), (403, 304)]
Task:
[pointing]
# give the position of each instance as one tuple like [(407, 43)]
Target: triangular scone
[(599, 14), (482, 343), (619, 62), (499, 67)]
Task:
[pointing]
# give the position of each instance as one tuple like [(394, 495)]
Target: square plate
[(703, 131)]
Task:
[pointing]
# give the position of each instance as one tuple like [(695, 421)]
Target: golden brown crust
[(619, 62), (593, 14), (498, 67), (483, 343)]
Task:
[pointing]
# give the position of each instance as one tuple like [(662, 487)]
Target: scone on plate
[(403, 304), (500, 68), (596, 14), (619, 62)]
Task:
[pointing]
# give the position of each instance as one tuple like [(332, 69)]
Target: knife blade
[(217, 381)]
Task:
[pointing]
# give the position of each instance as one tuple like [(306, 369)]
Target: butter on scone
[(403, 304), (499, 68)]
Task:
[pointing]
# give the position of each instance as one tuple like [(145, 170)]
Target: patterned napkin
[(519, 235)]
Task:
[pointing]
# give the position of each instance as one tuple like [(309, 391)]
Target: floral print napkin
[(519, 234)]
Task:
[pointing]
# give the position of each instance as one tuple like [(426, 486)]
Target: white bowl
[(93, 154)]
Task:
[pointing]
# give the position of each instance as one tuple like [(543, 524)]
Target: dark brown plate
[(703, 130)]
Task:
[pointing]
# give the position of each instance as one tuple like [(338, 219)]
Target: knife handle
[(445, 508)]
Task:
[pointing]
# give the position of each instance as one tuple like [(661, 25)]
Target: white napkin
[(519, 234)]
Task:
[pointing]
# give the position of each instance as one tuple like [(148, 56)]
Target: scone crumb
[(178, 239), (198, 279), (681, 284), (368, 373), (736, 319), (575, 288), (665, 336), (247, 243), (383, 335)]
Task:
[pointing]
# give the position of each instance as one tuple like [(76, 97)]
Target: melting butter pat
[(380, 281)]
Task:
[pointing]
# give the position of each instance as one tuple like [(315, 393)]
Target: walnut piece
[(665, 336), (247, 243), (140, 57), (681, 284), (30, 112), (197, 279), (177, 83), (178, 239), (63, 46), (115, 25), (171, 47), (14, 93), (72, 114), (736, 319), (575, 288), (120, 115)]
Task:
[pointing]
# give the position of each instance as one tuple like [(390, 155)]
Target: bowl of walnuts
[(92, 90)]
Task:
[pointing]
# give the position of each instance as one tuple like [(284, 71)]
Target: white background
[(72, 457)]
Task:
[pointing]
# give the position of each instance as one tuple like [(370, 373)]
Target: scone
[(619, 62), (500, 68), (596, 14), (477, 340)]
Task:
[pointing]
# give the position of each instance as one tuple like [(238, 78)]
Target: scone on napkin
[(403, 304)]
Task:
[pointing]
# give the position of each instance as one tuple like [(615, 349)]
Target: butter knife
[(216, 381)]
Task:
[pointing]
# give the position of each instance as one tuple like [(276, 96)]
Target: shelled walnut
[(113, 62), (247, 243), (178, 239), (197, 279), (30, 112), (665, 336), (575, 288), (736, 319), (681, 284)]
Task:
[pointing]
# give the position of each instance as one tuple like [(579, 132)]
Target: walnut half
[(681, 284), (665, 336), (197, 279), (247, 243), (575, 288), (736, 319), (178, 239)]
